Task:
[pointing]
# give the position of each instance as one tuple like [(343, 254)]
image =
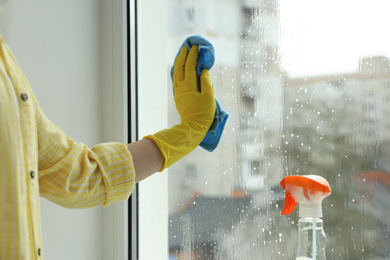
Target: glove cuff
[(178, 141)]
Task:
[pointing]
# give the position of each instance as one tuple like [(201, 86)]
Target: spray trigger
[(289, 204)]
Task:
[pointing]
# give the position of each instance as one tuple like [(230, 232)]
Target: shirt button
[(32, 174), (24, 96)]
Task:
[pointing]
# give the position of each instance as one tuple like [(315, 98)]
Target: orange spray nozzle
[(308, 191)]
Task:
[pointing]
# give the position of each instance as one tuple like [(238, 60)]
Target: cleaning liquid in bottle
[(308, 191)]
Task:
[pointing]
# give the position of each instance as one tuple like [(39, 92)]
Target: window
[(306, 94), (255, 167)]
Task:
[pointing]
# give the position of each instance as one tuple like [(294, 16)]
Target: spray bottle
[(308, 191)]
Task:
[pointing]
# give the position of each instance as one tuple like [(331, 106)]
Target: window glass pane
[(307, 88)]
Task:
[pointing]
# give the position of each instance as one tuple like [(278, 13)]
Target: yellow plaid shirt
[(37, 158)]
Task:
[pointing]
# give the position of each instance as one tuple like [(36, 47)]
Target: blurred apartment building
[(325, 112), (210, 191)]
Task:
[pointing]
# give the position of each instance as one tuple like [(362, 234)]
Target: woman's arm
[(147, 158)]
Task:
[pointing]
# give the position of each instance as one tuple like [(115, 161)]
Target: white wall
[(57, 45)]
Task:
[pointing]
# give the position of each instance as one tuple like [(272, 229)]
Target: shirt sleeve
[(75, 176)]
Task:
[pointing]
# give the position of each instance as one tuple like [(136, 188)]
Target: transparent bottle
[(311, 239)]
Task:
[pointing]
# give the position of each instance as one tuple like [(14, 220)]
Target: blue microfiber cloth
[(206, 60)]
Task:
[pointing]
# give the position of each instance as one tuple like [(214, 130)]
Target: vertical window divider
[(133, 119)]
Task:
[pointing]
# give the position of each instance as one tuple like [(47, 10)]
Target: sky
[(322, 37)]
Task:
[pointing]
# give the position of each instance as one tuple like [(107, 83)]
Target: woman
[(37, 158)]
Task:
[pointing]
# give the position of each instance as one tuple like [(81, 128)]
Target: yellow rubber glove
[(196, 109)]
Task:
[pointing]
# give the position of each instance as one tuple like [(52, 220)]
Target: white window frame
[(132, 58), (114, 49), (153, 78)]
